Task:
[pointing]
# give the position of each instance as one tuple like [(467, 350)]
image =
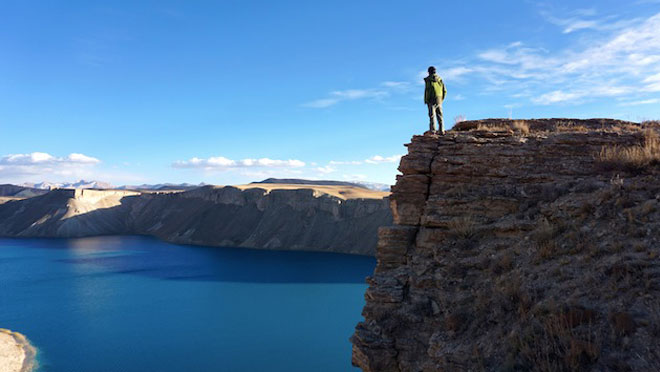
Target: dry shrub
[(493, 128), (520, 126), (622, 323), (503, 264), (622, 128), (517, 126), (513, 295), (545, 237), (459, 119), (463, 227), (648, 207), (650, 123), (632, 158), (559, 342), (572, 128)]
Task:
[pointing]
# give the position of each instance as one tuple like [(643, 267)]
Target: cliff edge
[(520, 245)]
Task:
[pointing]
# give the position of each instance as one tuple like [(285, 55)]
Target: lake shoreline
[(17, 354)]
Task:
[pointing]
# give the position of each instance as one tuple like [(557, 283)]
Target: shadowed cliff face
[(519, 250), (227, 216)]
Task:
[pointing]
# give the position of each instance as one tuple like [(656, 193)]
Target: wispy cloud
[(347, 95), (622, 60), (222, 163), (377, 159), (652, 83), (354, 177), (585, 19), (326, 170), (396, 84), (350, 162), (641, 102)]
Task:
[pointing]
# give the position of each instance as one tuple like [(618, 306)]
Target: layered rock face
[(300, 219), (518, 251)]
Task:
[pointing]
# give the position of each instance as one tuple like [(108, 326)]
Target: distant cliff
[(297, 218), (520, 245)]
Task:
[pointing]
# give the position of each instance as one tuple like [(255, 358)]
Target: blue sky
[(229, 92)]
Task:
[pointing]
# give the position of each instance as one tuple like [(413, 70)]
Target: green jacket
[(435, 90)]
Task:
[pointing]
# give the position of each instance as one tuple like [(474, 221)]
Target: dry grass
[(493, 128), (459, 119), (463, 227), (517, 126), (572, 128), (632, 158), (545, 238), (520, 126), (564, 341)]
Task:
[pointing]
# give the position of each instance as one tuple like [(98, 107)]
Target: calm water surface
[(138, 304)]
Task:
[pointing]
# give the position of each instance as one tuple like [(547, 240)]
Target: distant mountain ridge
[(298, 181), (82, 184), (162, 186)]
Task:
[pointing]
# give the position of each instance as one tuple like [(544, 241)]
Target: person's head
[(431, 70)]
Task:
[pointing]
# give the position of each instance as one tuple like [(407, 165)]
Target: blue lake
[(138, 304)]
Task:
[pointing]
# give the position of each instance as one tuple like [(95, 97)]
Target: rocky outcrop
[(16, 352), (519, 249), (295, 219)]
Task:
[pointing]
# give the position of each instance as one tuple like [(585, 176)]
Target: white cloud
[(40, 166), (377, 159), (82, 158), (321, 103), (326, 170), (556, 97), (622, 60), (354, 177), (642, 102), (350, 162), (454, 72), (579, 20), (653, 83), (396, 84), (222, 163), (41, 158), (346, 95)]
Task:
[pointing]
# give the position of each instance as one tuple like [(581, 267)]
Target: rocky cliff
[(296, 218), (526, 245)]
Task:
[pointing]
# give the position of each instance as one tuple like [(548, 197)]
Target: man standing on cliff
[(434, 94)]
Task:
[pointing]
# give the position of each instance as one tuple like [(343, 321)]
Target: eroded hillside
[(520, 246), (290, 217)]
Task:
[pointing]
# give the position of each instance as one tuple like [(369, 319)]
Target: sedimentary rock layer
[(518, 251), (295, 219)]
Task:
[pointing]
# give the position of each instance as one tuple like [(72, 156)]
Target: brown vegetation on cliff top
[(519, 251)]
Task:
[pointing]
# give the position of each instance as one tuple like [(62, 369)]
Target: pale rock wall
[(301, 219)]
